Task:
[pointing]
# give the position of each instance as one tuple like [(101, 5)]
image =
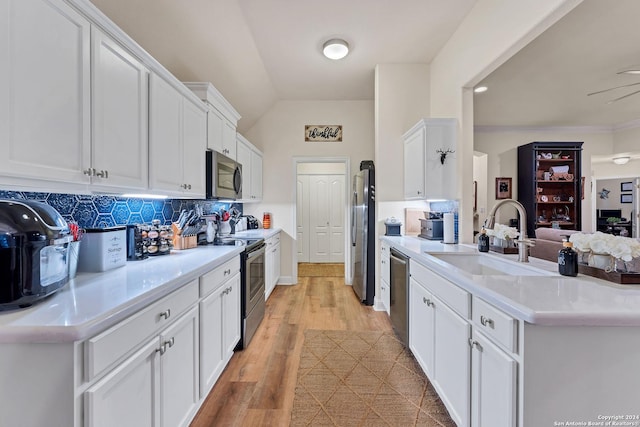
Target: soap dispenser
[(483, 241), (567, 259)]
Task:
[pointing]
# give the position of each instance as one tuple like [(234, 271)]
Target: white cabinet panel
[(179, 370), (194, 141), (44, 91), (422, 326), (272, 264), (256, 176), (493, 385), (177, 134), (231, 316), (127, 396), (120, 116), (426, 174), (251, 160)]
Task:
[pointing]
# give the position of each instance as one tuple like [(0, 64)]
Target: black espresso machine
[(34, 252)]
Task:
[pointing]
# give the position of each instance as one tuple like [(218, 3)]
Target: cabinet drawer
[(108, 347), (273, 240), (215, 278), (495, 324), (454, 296)]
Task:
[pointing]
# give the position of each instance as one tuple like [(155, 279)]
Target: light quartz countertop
[(545, 300), (93, 302)]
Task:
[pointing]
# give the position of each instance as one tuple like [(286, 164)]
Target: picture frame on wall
[(626, 198), (503, 188), (626, 186)]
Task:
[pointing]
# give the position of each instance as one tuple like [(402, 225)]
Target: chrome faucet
[(523, 242)]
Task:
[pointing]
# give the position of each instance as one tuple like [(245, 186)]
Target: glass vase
[(602, 261)]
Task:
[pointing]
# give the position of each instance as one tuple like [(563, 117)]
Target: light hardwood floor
[(257, 387)]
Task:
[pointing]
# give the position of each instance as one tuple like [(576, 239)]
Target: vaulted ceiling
[(257, 52)]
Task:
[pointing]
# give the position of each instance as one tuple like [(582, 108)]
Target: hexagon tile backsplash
[(108, 211)]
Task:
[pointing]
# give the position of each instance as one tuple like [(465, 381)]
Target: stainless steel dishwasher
[(399, 295)]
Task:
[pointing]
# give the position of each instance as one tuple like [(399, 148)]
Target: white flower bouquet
[(624, 248), (501, 231)]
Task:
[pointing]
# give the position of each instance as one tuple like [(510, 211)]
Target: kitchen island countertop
[(545, 300)]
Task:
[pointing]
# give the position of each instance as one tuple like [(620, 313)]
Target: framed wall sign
[(323, 133), (626, 198), (626, 186), (503, 188)]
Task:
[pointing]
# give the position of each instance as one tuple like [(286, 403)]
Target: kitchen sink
[(488, 265)]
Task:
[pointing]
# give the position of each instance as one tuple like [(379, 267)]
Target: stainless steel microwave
[(224, 177)]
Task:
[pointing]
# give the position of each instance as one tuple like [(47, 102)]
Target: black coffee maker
[(34, 252)]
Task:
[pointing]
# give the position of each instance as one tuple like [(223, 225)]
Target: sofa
[(548, 242)]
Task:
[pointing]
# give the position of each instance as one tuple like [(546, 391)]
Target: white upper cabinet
[(222, 119), (177, 141), (430, 160), (251, 160), (120, 116), (44, 91)]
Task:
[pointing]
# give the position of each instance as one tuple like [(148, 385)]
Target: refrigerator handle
[(353, 218)]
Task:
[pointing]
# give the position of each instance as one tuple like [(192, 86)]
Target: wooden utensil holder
[(183, 242)]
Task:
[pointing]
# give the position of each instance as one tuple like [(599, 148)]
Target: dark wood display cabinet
[(550, 184)]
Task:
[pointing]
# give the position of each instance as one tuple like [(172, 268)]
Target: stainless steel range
[(253, 285)]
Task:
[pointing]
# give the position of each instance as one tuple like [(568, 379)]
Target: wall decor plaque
[(323, 133)]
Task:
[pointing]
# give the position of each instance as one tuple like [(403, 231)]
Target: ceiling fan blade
[(612, 88), (623, 97)]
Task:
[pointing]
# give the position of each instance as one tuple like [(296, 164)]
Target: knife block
[(183, 242)]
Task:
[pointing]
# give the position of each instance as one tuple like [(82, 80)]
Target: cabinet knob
[(166, 314), (485, 321)]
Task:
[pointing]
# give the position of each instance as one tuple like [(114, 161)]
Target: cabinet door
[(452, 361), (244, 158), (414, 166), (422, 326), (179, 370), (229, 139), (120, 119), (44, 91), (165, 137), (128, 396), (493, 384), (231, 316), (194, 141), (211, 352), (256, 176), (215, 123)]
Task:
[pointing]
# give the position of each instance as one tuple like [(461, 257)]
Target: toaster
[(34, 252)]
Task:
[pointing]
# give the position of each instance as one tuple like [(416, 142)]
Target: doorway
[(322, 220)]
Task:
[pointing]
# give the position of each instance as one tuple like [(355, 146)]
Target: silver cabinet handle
[(473, 343), (169, 343), (101, 174), (227, 272), (485, 321), (166, 314), (428, 302), (89, 172), (162, 350), (424, 300)]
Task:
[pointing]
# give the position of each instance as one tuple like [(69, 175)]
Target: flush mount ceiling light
[(480, 89), (621, 160), (335, 49)]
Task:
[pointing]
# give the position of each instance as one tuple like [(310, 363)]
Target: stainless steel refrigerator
[(363, 233)]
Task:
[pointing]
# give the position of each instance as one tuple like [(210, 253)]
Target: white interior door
[(336, 217), (319, 219), (302, 218)]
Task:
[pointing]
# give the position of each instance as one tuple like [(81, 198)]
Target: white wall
[(489, 35), (280, 135), (501, 148)]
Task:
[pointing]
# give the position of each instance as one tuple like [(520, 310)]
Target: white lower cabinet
[(493, 384), (272, 264), (219, 322), (156, 386), (422, 326), (385, 274)]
